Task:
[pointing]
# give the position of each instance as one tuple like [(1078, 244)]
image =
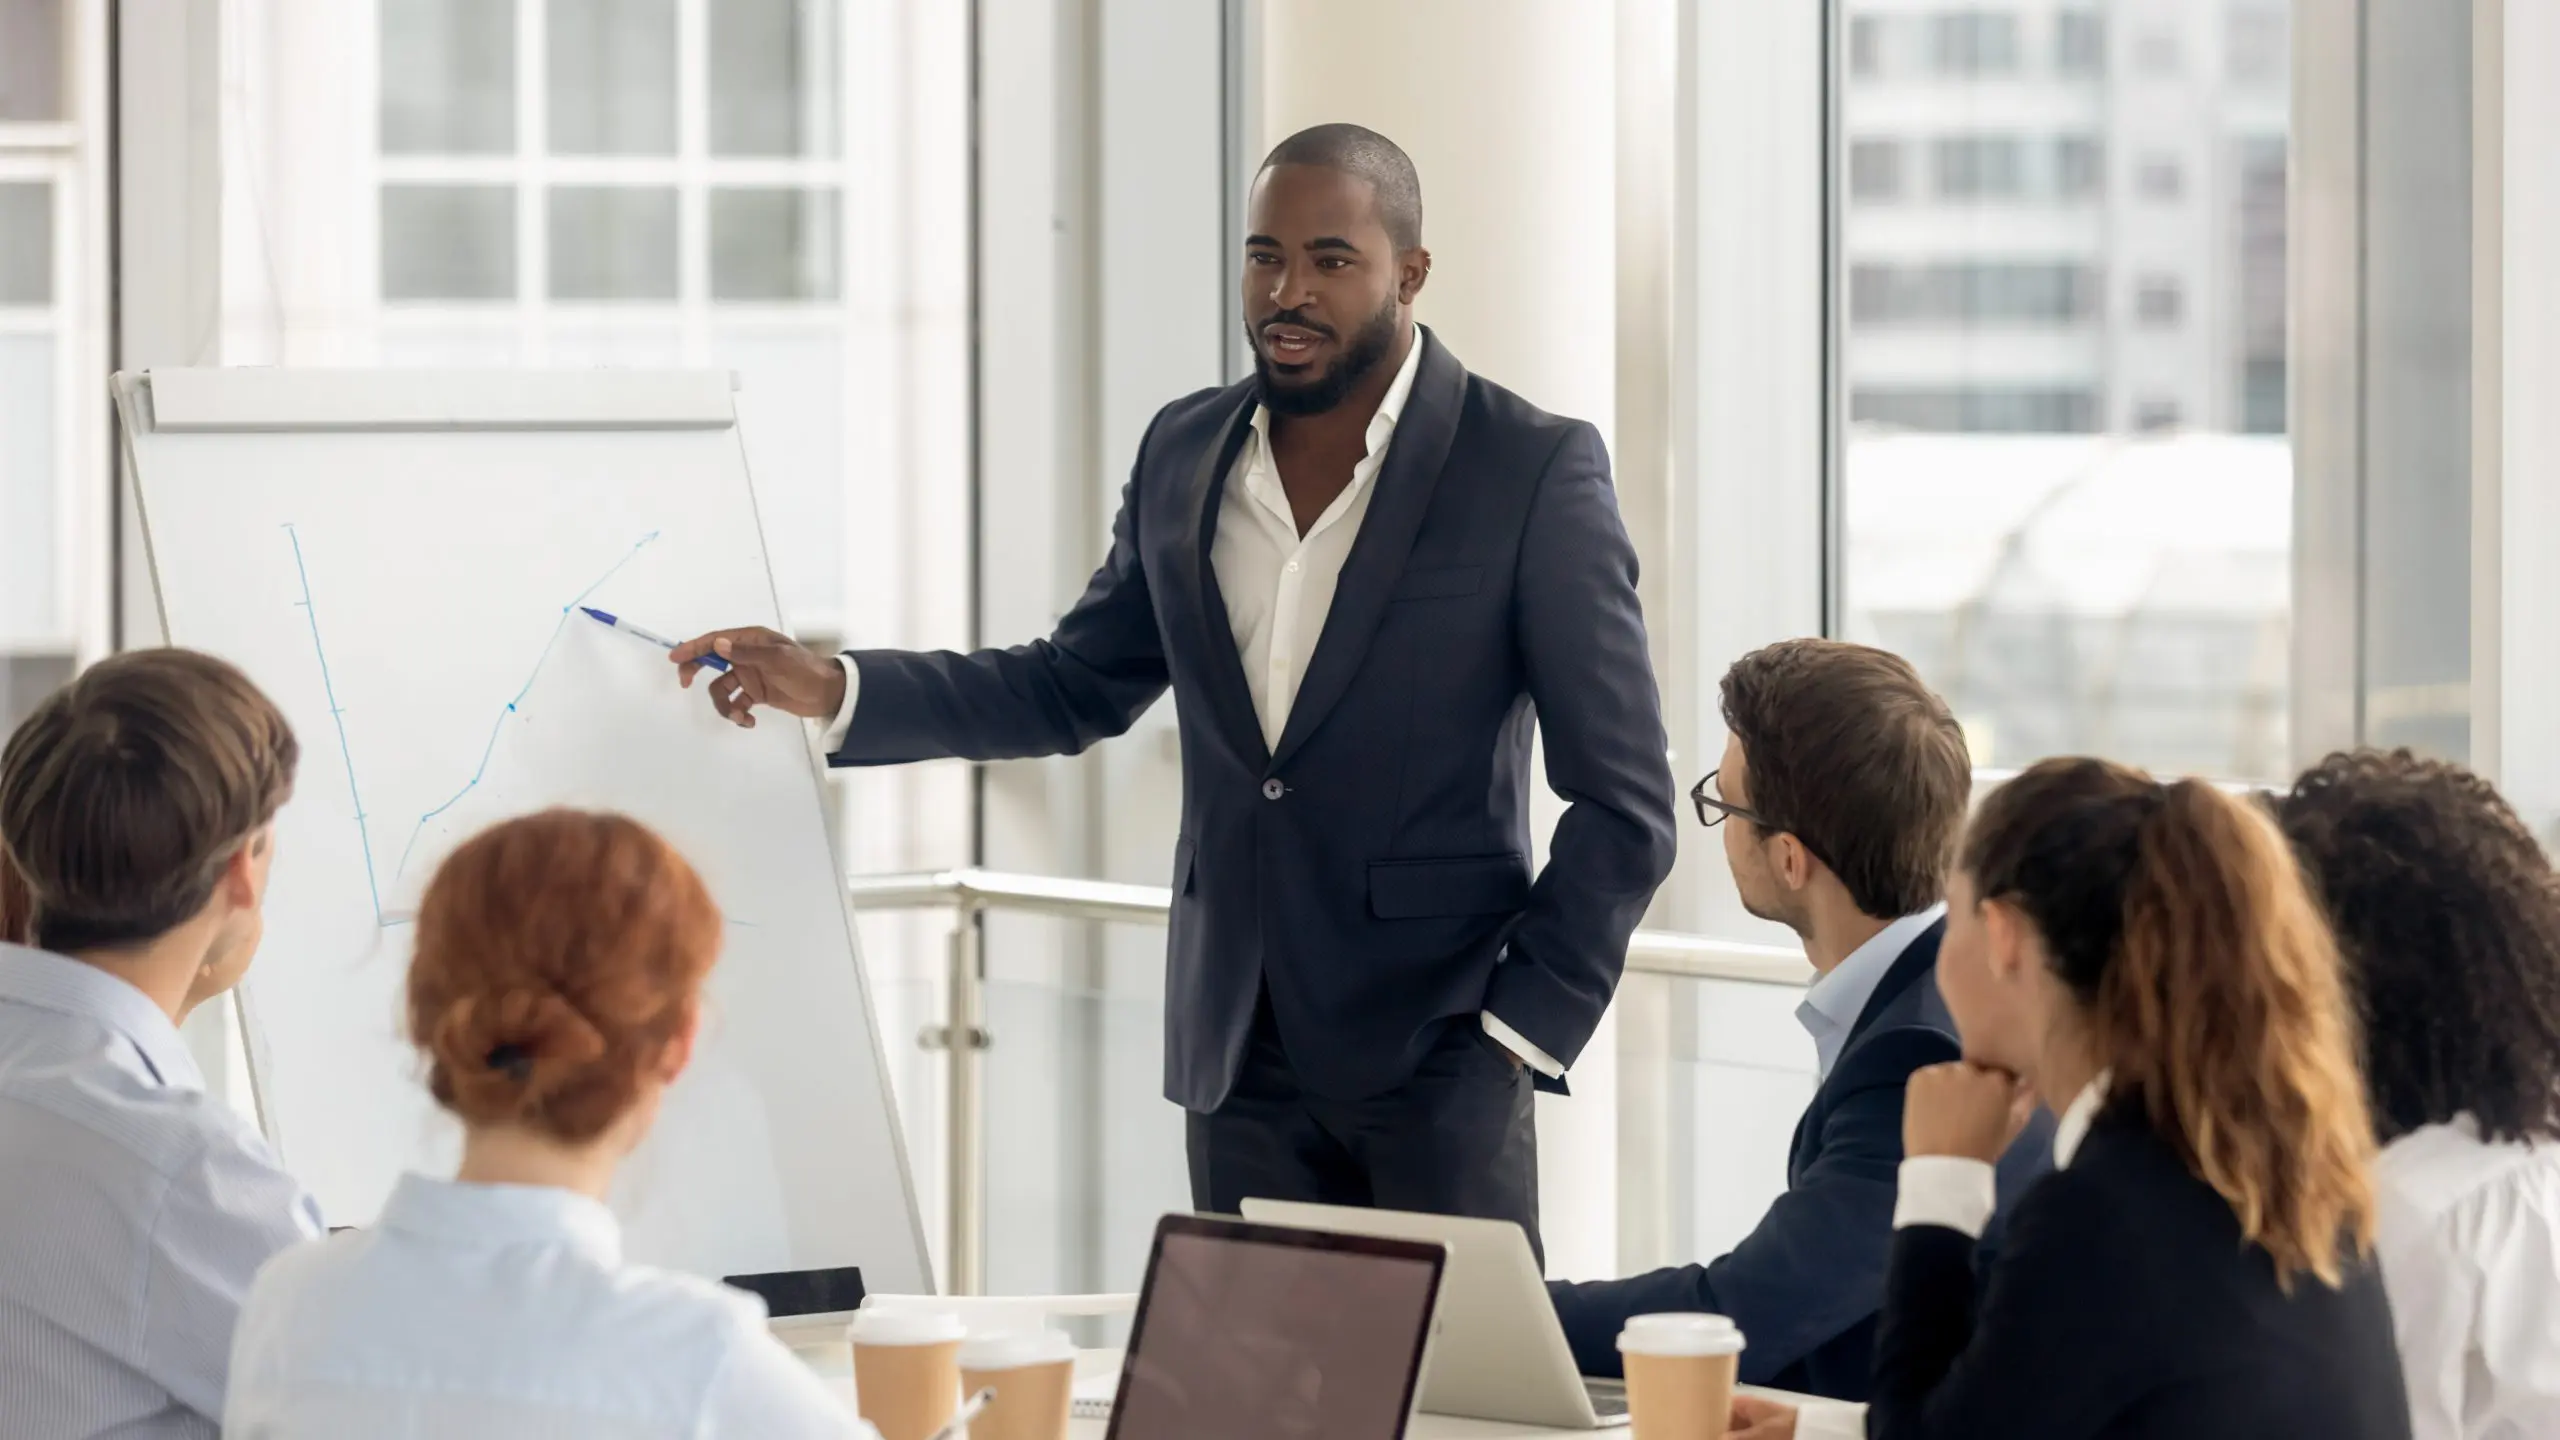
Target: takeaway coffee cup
[(1033, 1373), (1680, 1371), (906, 1370)]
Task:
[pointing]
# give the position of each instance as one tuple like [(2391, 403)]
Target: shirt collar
[(497, 1215), (1382, 425), (1833, 1003), (2074, 1125), (66, 986)]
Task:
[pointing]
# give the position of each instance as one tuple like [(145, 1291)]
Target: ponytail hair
[(2211, 987)]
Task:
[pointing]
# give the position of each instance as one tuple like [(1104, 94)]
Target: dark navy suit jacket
[(1805, 1286), (1372, 870)]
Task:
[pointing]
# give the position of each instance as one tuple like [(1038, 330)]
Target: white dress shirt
[(1279, 588), (134, 1208), (505, 1312), (2470, 1250), (1833, 1003)]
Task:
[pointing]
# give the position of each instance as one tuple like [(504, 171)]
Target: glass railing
[(1029, 1075)]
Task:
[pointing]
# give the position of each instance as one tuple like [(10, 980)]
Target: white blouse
[(505, 1312), (2470, 1247)]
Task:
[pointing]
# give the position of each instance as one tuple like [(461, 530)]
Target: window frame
[(691, 328), (2115, 312), (69, 156)]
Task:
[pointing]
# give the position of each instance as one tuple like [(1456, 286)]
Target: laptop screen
[(1257, 1332)]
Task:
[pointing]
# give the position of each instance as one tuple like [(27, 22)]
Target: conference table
[(1093, 1363)]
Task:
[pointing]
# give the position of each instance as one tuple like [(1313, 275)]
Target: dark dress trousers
[(1806, 1284), (1347, 901), (2124, 1304)]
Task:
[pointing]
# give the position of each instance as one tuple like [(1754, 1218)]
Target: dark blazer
[(2124, 1304), (1806, 1283), (1373, 869)]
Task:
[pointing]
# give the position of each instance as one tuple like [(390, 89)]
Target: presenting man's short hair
[(1360, 151)]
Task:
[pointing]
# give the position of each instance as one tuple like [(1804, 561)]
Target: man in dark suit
[(1366, 575), (1841, 794)]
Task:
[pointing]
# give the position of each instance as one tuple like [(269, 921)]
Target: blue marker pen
[(615, 622)]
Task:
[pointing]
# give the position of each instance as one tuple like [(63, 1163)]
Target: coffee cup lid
[(1013, 1349), (1680, 1335), (906, 1327)]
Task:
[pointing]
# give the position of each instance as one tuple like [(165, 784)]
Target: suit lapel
[(1229, 696), (1415, 454), (1909, 968)]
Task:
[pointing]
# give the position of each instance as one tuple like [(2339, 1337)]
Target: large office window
[(51, 341), (634, 182), (778, 188), (2065, 487)]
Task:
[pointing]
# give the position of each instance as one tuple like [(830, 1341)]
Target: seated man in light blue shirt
[(136, 810), (1842, 790)]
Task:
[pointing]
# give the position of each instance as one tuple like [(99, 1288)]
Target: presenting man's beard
[(1369, 345)]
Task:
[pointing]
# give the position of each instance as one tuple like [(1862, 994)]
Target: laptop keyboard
[(1608, 1398), (1608, 1402)]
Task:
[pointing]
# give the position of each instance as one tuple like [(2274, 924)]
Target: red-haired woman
[(554, 993)]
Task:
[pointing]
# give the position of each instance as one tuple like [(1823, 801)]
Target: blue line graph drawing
[(337, 714), (499, 726)]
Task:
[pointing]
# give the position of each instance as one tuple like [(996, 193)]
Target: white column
[(2515, 357), (1505, 107), (169, 221)]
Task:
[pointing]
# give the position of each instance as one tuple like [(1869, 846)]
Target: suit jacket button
[(1273, 789)]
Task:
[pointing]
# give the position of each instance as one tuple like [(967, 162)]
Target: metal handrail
[(963, 1036), (1656, 952)]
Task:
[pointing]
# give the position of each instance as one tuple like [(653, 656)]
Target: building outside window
[(2073, 511), (2159, 300), (2079, 42), (1980, 167), (2157, 53), (2079, 167), (1973, 42), (1875, 170)]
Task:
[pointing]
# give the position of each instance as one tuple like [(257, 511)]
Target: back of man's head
[(1847, 750), (128, 790)]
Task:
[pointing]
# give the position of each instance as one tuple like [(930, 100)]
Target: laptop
[(1501, 1352), (1269, 1332)]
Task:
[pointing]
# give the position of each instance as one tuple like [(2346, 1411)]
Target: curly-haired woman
[(2448, 914)]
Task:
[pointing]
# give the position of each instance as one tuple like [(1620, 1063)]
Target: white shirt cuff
[(1518, 1044), (1947, 1190), (833, 739), (1831, 1420)]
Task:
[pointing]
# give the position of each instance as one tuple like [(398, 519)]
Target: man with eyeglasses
[(1840, 797)]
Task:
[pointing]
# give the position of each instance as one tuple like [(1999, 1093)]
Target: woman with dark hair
[(554, 994), (2146, 959), (2448, 914)]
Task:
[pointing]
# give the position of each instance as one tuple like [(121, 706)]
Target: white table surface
[(1424, 1427)]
